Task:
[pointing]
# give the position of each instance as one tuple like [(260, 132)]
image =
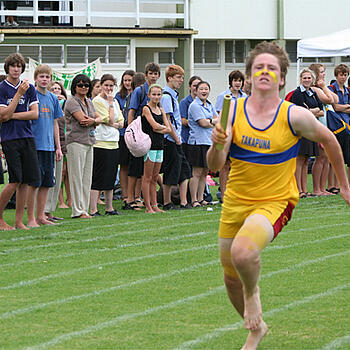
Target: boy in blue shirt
[(176, 168), (18, 106), (46, 134)]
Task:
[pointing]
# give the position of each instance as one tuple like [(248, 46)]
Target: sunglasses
[(81, 85)]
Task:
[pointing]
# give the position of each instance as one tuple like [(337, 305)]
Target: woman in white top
[(106, 153)]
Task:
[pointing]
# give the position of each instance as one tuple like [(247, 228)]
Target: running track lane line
[(101, 291), (337, 343), (235, 326), (232, 327), (71, 272)]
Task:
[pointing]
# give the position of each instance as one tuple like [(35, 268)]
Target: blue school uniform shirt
[(197, 111), (220, 98), (184, 104), (43, 127), (16, 129), (343, 99), (167, 103), (135, 99)]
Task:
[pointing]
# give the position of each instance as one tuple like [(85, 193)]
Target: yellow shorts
[(234, 213)]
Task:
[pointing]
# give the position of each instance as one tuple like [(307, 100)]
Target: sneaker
[(14, 24), (112, 212), (186, 206), (169, 206), (96, 214)]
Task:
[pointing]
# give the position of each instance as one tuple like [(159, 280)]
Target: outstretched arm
[(305, 124), (217, 158)]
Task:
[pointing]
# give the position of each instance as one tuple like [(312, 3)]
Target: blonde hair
[(42, 69), (307, 70)]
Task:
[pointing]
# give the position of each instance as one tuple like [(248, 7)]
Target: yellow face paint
[(271, 74)]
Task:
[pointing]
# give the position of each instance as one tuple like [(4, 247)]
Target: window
[(317, 60), (235, 51), (76, 54), (118, 54), (206, 51), (166, 57), (291, 48), (345, 59), (95, 52), (52, 54), (30, 51), (7, 50), (108, 54)]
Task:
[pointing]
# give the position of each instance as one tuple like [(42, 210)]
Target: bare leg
[(166, 194), (202, 183), (304, 170), (194, 183), (146, 185), (21, 197), (153, 188), (40, 207), (109, 200), (131, 188), (6, 194), (316, 175), (298, 170), (93, 201), (253, 236), (123, 178), (31, 201), (183, 192)]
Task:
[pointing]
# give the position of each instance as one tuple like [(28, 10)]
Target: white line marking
[(87, 295), (107, 290), (85, 229), (232, 327), (337, 343), (82, 269), (237, 325), (99, 238)]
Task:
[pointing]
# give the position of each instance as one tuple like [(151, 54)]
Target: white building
[(208, 38)]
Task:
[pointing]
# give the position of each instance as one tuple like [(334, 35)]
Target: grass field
[(142, 281)]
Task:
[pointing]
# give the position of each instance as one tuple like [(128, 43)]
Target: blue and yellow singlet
[(263, 161)]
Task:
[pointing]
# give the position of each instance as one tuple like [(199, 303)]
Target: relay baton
[(224, 116)]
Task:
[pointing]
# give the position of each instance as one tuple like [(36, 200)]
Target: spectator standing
[(305, 97), (235, 81), (123, 97), (106, 152), (320, 168), (18, 106), (341, 73), (139, 98), (155, 124), (81, 120), (184, 104), (48, 147), (176, 168), (202, 118)]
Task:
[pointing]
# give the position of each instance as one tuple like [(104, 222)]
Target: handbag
[(335, 123)]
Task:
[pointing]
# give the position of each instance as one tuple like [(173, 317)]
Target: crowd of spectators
[(70, 150)]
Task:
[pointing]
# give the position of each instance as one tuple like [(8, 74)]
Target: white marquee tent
[(330, 45)]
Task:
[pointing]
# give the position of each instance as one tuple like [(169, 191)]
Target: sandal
[(139, 202), (131, 206), (194, 205), (302, 195), (203, 203)]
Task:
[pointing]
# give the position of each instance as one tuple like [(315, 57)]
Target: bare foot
[(149, 211), (5, 227), (156, 209), (254, 337), (325, 193), (252, 310), (21, 226), (101, 202), (63, 206), (32, 224), (45, 222)]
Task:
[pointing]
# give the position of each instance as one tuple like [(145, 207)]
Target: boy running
[(262, 136)]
